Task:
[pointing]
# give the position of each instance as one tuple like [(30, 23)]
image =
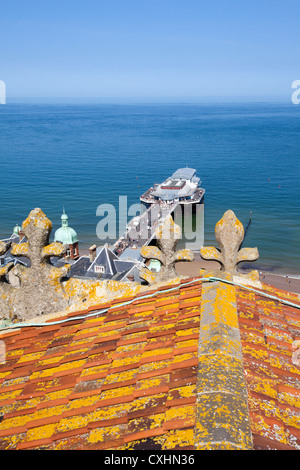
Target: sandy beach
[(287, 282)]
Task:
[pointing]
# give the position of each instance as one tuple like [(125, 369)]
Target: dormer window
[(99, 269)]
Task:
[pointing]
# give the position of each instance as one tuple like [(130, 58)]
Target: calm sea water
[(81, 156)]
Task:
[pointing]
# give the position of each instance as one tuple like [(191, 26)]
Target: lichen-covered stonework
[(229, 233), (28, 292), (222, 420), (39, 290), (167, 236)]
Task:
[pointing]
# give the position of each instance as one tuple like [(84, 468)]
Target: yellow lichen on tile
[(156, 352), (94, 370), (82, 402), (73, 422), (246, 295), (187, 343), (3, 375), (187, 332), (186, 321), (107, 433), (125, 361), (183, 357), (14, 352), (127, 348), (41, 432), (121, 376), (97, 319), (69, 354), (104, 334), (50, 360), (57, 370), (197, 298), (150, 422), (257, 353), (11, 442), (168, 306), (47, 412), (117, 392), (186, 391), (30, 357), (10, 423), (266, 428), (87, 331), (162, 327), (143, 402), (71, 365), (153, 366), (153, 382), (57, 395), (275, 362), (181, 412), (109, 412), (289, 398), (9, 395), (177, 438), (82, 342)]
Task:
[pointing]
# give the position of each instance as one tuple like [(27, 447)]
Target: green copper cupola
[(17, 230), (65, 234)]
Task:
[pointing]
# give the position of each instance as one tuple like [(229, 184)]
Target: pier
[(141, 229), (157, 203)]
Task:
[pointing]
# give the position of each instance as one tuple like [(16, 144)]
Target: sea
[(79, 157)]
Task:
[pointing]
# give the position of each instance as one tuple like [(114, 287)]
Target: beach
[(287, 282)]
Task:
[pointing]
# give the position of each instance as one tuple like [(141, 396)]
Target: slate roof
[(127, 376), (8, 257), (80, 267), (105, 257), (115, 268)]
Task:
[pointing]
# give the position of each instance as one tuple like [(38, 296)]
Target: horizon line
[(145, 100)]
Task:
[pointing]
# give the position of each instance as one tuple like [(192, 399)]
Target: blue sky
[(149, 49)]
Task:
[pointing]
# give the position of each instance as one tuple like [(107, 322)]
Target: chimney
[(92, 252), (21, 236)]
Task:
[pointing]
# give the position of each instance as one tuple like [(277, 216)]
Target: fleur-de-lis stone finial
[(40, 289), (167, 236), (229, 232), (5, 288)]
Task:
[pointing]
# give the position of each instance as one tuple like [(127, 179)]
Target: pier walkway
[(141, 229)]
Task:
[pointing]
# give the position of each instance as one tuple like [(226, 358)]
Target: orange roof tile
[(129, 377)]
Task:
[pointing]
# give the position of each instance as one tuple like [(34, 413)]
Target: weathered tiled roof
[(138, 373), (268, 330)]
